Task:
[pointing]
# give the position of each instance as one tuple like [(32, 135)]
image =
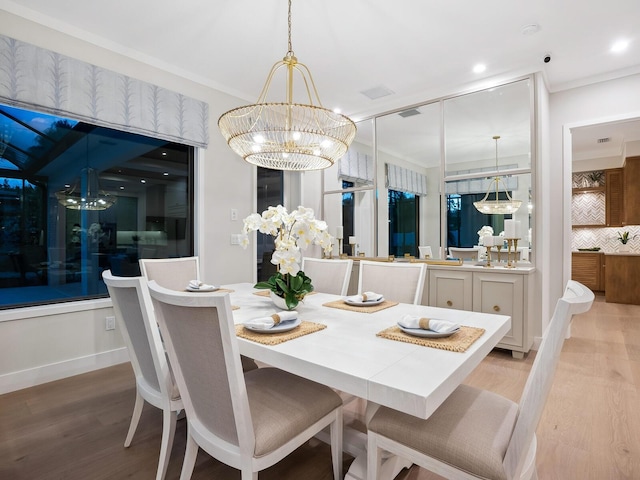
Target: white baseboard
[(13, 381)]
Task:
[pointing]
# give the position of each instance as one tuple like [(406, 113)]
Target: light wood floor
[(73, 429)]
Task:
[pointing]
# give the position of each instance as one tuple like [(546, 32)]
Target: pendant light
[(85, 193), (288, 135), (497, 207)]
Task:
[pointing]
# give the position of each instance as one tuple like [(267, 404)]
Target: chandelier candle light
[(497, 207), (288, 135), (294, 232)]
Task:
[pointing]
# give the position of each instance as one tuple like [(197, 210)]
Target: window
[(403, 223), (50, 253), (270, 193)]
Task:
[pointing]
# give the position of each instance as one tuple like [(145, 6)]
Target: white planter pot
[(279, 301), (624, 248)]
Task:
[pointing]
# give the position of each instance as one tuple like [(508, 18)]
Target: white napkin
[(265, 323), (366, 297), (198, 285), (439, 326)]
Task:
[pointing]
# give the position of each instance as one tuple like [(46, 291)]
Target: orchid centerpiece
[(293, 233)]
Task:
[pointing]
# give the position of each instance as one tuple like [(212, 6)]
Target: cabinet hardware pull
[(496, 308), (449, 303)]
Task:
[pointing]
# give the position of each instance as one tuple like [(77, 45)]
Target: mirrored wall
[(412, 176)]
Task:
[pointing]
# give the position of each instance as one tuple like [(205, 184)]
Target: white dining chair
[(328, 276), (471, 253), (175, 274), (172, 273), (425, 252), (250, 420), (399, 282), (154, 381), (476, 433)]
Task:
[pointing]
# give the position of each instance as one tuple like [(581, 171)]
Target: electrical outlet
[(234, 214), (110, 323)]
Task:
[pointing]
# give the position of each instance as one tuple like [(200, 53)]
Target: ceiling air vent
[(604, 140), (409, 113), (377, 92)]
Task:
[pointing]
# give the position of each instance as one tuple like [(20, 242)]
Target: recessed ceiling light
[(479, 68), (620, 46), (337, 110)]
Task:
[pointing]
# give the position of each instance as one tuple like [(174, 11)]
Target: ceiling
[(415, 49)]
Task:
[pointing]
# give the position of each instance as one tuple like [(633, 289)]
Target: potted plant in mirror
[(293, 232), (595, 178), (624, 238)]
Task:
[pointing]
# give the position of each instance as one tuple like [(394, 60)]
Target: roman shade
[(36, 78), (405, 180), (356, 167)]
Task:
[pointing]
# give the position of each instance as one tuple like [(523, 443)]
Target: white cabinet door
[(450, 289), (502, 294)]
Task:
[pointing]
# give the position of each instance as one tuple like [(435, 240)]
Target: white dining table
[(348, 356)]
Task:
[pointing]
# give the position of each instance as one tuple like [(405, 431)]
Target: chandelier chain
[(290, 52)]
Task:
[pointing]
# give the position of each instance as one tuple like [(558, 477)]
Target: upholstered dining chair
[(464, 253), (425, 251), (175, 274), (250, 420), (328, 276), (399, 282), (476, 433), (171, 273), (154, 381)]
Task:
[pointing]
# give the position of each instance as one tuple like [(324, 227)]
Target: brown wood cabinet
[(622, 278), (632, 191), (615, 197), (587, 268)]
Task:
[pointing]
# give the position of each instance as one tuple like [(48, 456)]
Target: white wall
[(598, 103), (37, 346)]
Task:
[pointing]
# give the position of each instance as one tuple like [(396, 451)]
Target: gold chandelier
[(288, 135), (497, 207)]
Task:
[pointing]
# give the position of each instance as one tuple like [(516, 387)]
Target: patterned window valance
[(480, 185), (356, 167), (34, 77), (405, 180)]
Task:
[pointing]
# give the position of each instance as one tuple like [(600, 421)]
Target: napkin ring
[(276, 318), (424, 323)]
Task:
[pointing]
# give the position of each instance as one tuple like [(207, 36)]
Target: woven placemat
[(304, 328), (458, 342), (353, 308), (266, 293)]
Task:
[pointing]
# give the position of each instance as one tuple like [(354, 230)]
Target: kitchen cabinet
[(614, 196), (479, 289), (588, 269), (622, 278), (632, 191)]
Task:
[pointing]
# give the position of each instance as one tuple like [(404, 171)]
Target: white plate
[(356, 303), (420, 332), (203, 288), (283, 327)]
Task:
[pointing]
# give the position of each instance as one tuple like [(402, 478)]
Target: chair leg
[(373, 456), (335, 431), (190, 455), (169, 419), (135, 418)]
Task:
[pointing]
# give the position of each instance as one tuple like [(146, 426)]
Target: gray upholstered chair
[(171, 273), (465, 253), (250, 420), (328, 276), (175, 274), (154, 382), (476, 433), (399, 282)]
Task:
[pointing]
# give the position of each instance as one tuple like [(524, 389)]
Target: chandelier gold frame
[(497, 206), (287, 135)]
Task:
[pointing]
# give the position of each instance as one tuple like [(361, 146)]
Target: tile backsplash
[(605, 238)]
